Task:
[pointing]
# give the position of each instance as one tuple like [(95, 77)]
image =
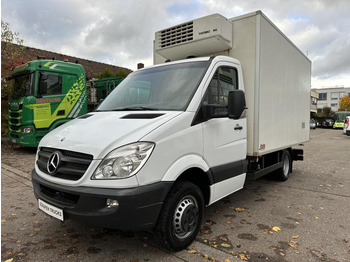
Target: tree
[(8, 36), (121, 73), (9, 58), (344, 103), (327, 112), (108, 73)]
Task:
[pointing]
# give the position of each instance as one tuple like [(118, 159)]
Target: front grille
[(176, 35), (59, 196), (14, 114), (15, 128), (72, 165), (14, 121)]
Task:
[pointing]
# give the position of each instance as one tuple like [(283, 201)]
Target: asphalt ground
[(303, 219)]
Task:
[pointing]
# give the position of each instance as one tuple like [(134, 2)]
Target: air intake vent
[(141, 116), (176, 35)]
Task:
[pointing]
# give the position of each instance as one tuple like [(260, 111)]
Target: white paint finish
[(277, 79), (103, 132), (175, 141), (226, 187), (183, 164), (222, 143)]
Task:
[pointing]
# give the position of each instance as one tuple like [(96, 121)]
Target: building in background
[(313, 102), (13, 55), (330, 96)]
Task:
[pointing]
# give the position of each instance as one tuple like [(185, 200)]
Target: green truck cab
[(46, 94), (49, 93)]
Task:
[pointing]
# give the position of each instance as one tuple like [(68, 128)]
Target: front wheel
[(181, 216)]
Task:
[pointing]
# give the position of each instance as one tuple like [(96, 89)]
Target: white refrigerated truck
[(178, 136)]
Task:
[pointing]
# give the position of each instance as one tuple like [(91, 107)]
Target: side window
[(224, 80), (54, 85)]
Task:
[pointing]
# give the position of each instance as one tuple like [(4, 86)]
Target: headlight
[(124, 162), (27, 130)]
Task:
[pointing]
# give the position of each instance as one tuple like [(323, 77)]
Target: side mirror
[(43, 76), (42, 88), (236, 104), (42, 84)]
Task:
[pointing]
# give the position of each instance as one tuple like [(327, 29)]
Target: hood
[(98, 133)]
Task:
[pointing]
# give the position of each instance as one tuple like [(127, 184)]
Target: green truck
[(49, 93)]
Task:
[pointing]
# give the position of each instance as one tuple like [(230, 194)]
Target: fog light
[(112, 203)]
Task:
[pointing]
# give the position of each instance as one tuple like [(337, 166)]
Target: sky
[(121, 32)]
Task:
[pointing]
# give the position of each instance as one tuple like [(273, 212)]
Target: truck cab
[(46, 94)]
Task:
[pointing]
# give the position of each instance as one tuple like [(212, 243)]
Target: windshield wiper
[(136, 108)]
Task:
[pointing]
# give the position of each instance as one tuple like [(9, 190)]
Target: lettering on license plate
[(51, 210)]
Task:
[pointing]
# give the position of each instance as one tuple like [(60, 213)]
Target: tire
[(283, 173), (181, 216)]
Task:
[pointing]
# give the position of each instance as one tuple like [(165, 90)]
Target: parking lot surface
[(303, 219)]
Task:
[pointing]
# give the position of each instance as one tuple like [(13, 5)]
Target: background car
[(312, 123), (338, 124), (328, 123), (346, 129)]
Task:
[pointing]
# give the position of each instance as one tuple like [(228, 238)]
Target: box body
[(277, 78)]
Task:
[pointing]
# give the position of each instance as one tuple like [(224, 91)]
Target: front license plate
[(14, 141), (51, 210)]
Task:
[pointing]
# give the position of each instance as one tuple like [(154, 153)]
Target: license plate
[(51, 210), (14, 141)]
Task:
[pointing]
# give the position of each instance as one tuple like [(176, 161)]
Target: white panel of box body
[(277, 80)]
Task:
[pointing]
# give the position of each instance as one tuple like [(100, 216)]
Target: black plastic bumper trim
[(230, 170), (138, 207)]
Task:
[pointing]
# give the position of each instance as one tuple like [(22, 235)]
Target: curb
[(16, 174)]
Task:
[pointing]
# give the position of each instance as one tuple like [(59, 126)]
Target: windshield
[(168, 87), (23, 86)]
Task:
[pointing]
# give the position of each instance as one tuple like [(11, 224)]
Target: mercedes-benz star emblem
[(53, 163)]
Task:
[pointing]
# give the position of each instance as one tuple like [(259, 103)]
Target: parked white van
[(181, 135)]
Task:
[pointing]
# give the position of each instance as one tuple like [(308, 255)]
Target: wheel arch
[(194, 169), (201, 179)]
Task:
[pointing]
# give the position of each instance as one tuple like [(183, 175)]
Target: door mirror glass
[(236, 104)]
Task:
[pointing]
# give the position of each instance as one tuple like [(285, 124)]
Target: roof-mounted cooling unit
[(203, 36)]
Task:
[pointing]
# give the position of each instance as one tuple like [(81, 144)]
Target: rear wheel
[(181, 216), (282, 174)]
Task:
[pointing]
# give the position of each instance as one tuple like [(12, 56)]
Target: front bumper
[(138, 207), (30, 140)]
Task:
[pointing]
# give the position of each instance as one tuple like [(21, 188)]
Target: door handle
[(238, 127)]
